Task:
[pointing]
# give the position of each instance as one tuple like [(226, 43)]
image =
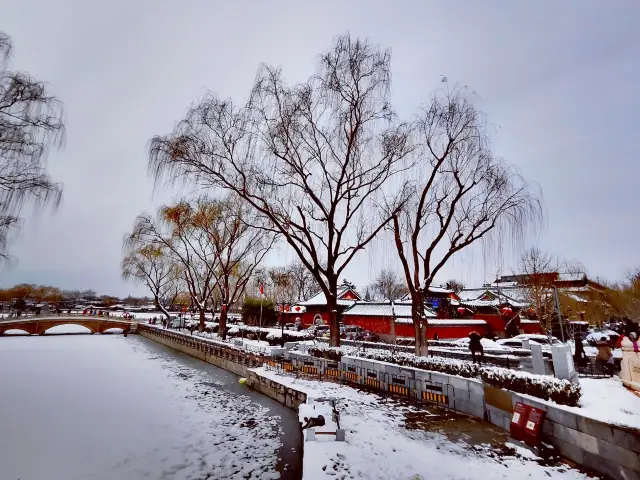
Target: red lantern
[(297, 308), (286, 308), (461, 310), (224, 307), (507, 310)]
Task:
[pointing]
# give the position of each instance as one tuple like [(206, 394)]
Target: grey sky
[(557, 79)]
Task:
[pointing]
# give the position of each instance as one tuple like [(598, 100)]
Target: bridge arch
[(40, 325), (15, 331), (54, 329)]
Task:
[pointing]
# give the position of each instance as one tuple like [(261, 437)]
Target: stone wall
[(228, 359), (234, 361), (285, 395)]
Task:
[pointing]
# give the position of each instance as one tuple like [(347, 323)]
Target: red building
[(378, 317), (314, 310)]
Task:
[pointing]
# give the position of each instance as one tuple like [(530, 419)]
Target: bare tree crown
[(30, 123)]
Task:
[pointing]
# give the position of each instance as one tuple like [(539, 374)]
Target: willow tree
[(461, 194), (151, 265), (30, 123), (187, 244), (311, 158), (238, 244)]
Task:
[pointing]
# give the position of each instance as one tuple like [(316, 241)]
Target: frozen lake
[(95, 407)]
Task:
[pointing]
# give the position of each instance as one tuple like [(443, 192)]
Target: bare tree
[(311, 158), (30, 123), (462, 194), (388, 286), (239, 246), (188, 244), (538, 271), (303, 283), (151, 265), (455, 285)]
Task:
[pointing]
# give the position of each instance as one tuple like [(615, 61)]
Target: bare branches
[(462, 194), (311, 158), (30, 123), (388, 286), (149, 264)]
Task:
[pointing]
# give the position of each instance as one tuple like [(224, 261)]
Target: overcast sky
[(558, 80)]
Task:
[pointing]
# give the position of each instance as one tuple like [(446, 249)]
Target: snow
[(607, 400), (379, 446), (108, 407), (321, 299), (455, 322), (602, 335), (487, 344)]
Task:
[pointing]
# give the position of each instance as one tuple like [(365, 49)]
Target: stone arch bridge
[(39, 325)]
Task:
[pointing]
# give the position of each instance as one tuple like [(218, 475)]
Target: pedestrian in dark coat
[(476, 346)]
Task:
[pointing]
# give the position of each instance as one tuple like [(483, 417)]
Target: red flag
[(261, 289)]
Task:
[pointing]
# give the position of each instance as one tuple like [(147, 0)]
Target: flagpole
[(261, 296)]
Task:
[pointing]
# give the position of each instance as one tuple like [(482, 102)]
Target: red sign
[(533, 427), (519, 421)]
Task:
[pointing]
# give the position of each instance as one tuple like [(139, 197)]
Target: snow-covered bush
[(548, 388)]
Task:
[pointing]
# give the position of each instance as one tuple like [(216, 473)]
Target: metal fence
[(399, 386)]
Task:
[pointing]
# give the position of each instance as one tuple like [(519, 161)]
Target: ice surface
[(107, 407)]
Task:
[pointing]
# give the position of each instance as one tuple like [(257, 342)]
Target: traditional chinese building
[(393, 319), (314, 310)]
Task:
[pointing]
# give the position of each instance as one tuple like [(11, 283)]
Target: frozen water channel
[(97, 407)]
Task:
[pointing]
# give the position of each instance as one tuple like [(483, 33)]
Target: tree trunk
[(222, 324), (334, 321), (202, 325), (160, 307), (419, 324)]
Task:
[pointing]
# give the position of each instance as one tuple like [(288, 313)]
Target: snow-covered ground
[(108, 407), (607, 400), (379, 446)]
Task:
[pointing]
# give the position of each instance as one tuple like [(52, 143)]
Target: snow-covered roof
[(321, 299), (384, 309), (576, 298), (444, 322), (515, 296), (571, 277), (407, 296)]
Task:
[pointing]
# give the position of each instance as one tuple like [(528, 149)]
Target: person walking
[(475, 345), (604, 355), (579, 355)]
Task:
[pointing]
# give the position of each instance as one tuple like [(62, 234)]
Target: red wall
[(496, 322), (381, 325), (530, 327)]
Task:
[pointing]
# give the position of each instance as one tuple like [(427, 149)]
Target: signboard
[(533, 427), (519, 421), (435, 303)]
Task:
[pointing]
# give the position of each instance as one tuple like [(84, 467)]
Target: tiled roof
[(320, 299)]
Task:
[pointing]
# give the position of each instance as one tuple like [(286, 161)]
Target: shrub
[(549, 388)]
